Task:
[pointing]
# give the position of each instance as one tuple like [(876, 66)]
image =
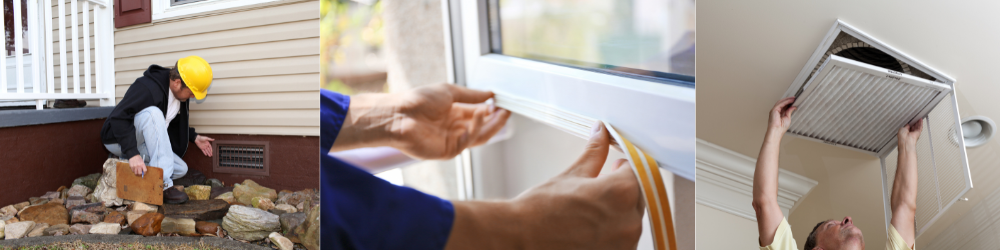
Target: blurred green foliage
[(343, 23)]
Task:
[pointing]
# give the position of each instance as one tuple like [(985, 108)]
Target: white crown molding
[(725, 182)]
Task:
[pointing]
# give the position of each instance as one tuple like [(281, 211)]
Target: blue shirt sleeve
[(361, 211)]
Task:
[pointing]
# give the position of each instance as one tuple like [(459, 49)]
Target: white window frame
[(660, 117), (163, 10)]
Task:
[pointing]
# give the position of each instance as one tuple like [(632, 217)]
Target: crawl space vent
[(241, 157), (856, 92)]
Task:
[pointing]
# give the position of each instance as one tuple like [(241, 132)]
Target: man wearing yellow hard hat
[(149, 126)]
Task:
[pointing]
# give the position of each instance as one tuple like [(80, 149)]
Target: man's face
[(181, 92), (842, 234)]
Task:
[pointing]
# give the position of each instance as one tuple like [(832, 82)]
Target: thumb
[(589, 164), (466, 95)]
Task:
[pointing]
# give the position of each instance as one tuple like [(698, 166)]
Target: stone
[(57, 201), (215, 183), (105, 191), (50, 195), (139, 206), (9, 210), (179, 188), (12, 220), (79, 190), (48, 213), (192, 177), (96, 207), (205, 227), (250, 224), (60, 189), (38, 229), (197, 209), (148, 224), (280, 241), (37, 200), (61, 229), (286, 208), (309, 229), (21, 205), (131, 216), (74, 201), (89, 181), (80, 229), (262, 203), (90, 198), (291, 221), (182, 226), (115, 217), (2, 225), (216, 191), (106, 228), (249, 189), (85, 217), (198, 192), (17, 230), (228, 197)]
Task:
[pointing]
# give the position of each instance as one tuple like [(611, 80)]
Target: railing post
[(50, 54), (86, 46), (105, 31), (18, 47)]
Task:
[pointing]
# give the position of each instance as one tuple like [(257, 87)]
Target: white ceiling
[(750, 51)]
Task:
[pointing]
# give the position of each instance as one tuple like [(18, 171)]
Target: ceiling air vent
[(241, 157), (856, 92)]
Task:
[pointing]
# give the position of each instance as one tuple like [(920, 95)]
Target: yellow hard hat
[(196, 74)]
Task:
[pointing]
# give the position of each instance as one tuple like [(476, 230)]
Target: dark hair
[(811, 240), (174, 74)]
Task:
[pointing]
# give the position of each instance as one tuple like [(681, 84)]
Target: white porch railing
[(40, 81)]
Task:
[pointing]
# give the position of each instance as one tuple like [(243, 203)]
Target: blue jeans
[(154, 145)]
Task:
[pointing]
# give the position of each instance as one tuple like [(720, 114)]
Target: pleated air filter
[(856, 92)]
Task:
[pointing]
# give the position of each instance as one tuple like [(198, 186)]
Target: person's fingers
[(918, 127), (466, 95), (210, 138), (589, 164), (782, 103), (478, 119), (494, 123), (621, 162), (788, 113)]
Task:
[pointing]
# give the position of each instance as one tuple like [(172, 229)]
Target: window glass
[(652, 38), (179, 2)]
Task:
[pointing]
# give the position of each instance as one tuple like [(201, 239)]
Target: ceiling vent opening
[(856, 92), (241, 157)]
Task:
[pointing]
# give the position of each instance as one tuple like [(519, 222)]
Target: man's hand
[(574, 210), (137, 165), (431, 122), (780, 116), (907, 135), (205, 144), (903, 201)]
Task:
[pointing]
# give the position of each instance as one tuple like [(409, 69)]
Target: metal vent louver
[(241, 157), (856, 92)]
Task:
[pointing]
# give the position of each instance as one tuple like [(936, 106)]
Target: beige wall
[(750, 51), (720, 230), (265, 60)]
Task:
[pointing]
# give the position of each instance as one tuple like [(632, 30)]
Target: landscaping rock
[(90, 181), (246, 223), (105, 190), (38, 229), (216, 191), (80, 216), (198, 192), (21, 205), (115, 217), (61, 229), (280, 241), (37, 200), (51, 195), (96, 207), (249, 189), (228, 197), (148, 224), (80, 229), (286, 208), (205, 227), (79, 190), (214, 183), (2, 225), (56, 201), (182, 226), (60, 189), (309, 229), (197, 209), (17, 230), (12, 220), (262, 203), (139, 206), (192, 177), (8, 211), (74, 201), (105, 228), (48, 213), (131, 216), (290, 222)]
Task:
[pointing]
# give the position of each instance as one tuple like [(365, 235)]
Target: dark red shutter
[(132, 12)]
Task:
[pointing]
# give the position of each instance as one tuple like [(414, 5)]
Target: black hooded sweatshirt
[(148, 90)]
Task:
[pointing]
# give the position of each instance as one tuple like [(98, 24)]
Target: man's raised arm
[(904, 188), (765, 177)]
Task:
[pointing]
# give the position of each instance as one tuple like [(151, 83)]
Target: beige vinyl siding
[(69, 47), (265, 60)]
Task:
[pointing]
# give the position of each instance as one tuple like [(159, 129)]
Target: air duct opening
[(977, 130)]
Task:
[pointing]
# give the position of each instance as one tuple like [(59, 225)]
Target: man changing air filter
[(775, 234), (150, 124)]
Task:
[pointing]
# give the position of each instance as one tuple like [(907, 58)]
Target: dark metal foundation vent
[(241, 157)]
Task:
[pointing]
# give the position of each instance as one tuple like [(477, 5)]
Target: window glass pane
[(179, 2), (645, 37)]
